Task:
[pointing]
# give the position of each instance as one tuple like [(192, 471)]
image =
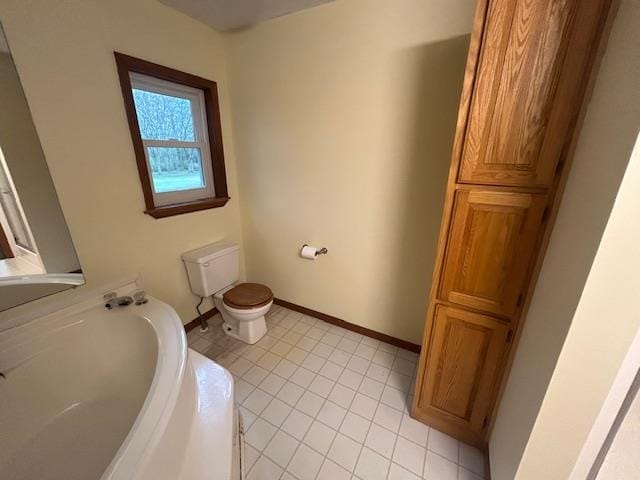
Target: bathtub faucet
[(111, 300)]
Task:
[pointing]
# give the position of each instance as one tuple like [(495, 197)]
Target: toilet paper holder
[(321, 251)]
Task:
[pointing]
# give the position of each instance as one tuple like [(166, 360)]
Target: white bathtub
[(96, 394)]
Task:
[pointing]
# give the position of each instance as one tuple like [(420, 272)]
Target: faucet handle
[(107, 297), (140, 297)]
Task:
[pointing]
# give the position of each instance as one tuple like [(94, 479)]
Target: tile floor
[(323, 403)]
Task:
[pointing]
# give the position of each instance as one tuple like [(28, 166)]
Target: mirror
[(37, 256)]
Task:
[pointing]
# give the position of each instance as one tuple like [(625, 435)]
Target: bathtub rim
[(73, 300), (170, 364), (159, 404)]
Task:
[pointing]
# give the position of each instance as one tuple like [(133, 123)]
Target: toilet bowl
[(215, 270), (243, 308)]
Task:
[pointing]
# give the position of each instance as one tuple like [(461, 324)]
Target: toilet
[(215, 270)]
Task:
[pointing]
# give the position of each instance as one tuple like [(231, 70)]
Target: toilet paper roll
[(309, 252)]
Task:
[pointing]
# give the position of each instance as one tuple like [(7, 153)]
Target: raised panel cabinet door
[(463, 368), (491, 244), (527, 90)]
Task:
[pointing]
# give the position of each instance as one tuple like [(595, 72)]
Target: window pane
[(163, 117), (175, 169)]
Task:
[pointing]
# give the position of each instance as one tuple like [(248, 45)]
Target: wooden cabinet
[(528, 67), (463, 369), (524, 99), (490, 246)]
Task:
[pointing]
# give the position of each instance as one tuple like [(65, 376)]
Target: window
[(175, 127)]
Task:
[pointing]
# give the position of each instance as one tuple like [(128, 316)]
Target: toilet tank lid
[(209, 252)]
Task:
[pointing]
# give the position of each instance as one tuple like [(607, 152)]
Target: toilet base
[(248, 326), (248, 331)]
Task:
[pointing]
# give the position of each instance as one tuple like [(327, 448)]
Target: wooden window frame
[(5, 246), (126, 65)]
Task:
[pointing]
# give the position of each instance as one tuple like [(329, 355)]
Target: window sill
[(180, 208)]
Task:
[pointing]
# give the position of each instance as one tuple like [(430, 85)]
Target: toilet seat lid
[(248, 295)]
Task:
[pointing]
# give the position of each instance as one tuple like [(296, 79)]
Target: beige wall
[(28, 168), (605, 324), (603, 151), (344, 116), (64, 54), (622, 460)]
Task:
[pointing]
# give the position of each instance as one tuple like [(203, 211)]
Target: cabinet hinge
[(509, 336), (520, 300), (545, 214)]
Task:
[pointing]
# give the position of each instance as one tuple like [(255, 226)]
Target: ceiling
[(225, 15)]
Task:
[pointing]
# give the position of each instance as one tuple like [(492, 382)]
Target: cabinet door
[(517, 125), (466, 353), (491, 244)]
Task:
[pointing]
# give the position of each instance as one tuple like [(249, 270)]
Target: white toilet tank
[(212, 267)]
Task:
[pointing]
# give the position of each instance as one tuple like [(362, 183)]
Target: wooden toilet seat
[(246, 296)]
